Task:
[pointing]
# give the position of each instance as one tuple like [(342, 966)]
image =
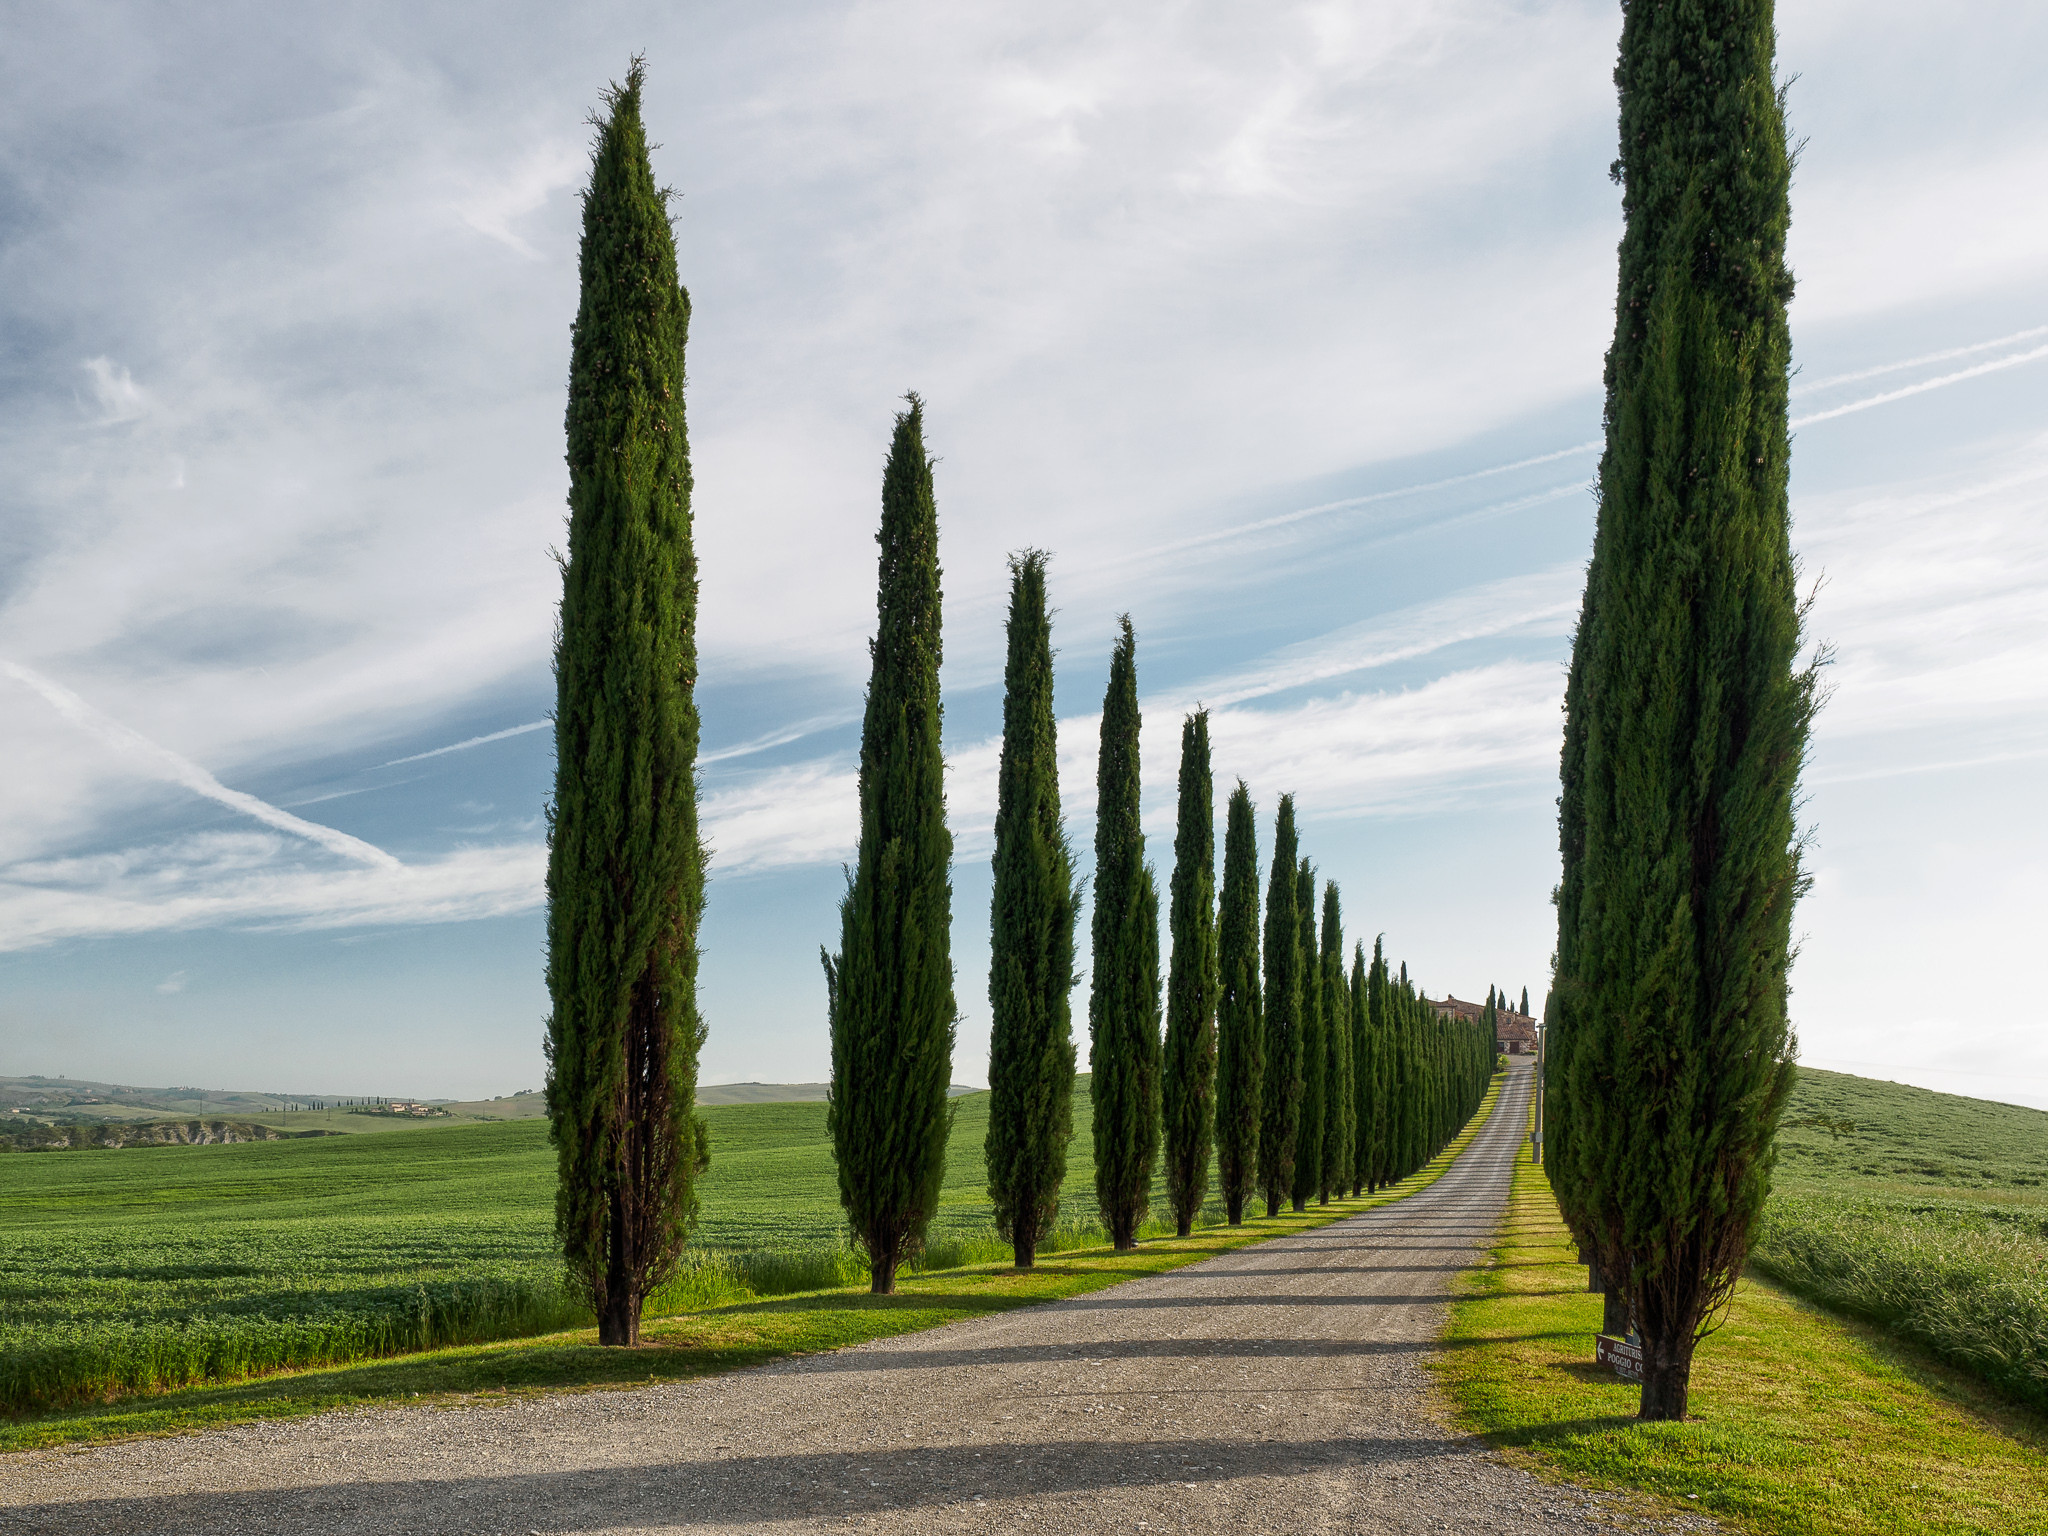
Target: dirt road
[(1274, 1389)]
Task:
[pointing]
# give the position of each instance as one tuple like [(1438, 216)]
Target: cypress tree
[(1240, 1011), (1189, 1090), (1280, 1117), (1308, 1155), (891, 985), (1524, 1009), (1339, 1130), (1363, 1095), (1123, 998), (625, 874), (1692, 717), (1379, 1029), (1032, 916)]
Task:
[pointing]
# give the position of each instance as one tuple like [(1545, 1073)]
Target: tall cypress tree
[(891, 985), (1123, 997), (1032, 916), (1364, 1097), (1308, 1153), (1240, 1011), (625, 865), (1383, 1066), (1339, 1130), (1189, 1090), (1524, 1009), (1690, 714), (1280, 1117)]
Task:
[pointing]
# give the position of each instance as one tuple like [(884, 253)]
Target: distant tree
[(1308, 1155), (1687, 713), (1123, 1000), (1189, 1089), (890, 987), (1240, 1011), (1280, 1120), (1524, 1009), (1364, 1075), (1339, 1111), (625, 877), (1032, 916)]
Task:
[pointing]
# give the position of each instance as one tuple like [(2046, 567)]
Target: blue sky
[(1280, 326)]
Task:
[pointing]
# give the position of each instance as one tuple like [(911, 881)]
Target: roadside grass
[(710, 1320), (1800, 1422)]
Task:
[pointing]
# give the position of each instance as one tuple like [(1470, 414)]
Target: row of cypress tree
[(1293, 1076)]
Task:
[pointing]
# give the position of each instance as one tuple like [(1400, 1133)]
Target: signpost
[(1624, 1355)]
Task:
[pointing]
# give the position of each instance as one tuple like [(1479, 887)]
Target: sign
[(1625, 1355)]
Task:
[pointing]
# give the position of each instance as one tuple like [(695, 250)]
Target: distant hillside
[(780, 1093), (1858, 1133), (29, 1103)]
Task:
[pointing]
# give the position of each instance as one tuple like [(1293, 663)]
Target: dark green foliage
[(1123, 996), (1189, 1090), (1524, 1009), (1240, 1011), (1686, 719), (1308, 1146), (1280, 1117), (1364, 1076), (891, 984), (1031, 938), (625, 865), (1340, 1113)]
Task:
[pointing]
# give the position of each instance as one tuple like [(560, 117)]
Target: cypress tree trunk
[(1123, 998), (1032, 916), (1362, 1093), (1189, 1090), (1280, 1117), (1308, 1154), (625, 865), (1338, 1110), (891, 985), (1240, 1011), (1691, 720)]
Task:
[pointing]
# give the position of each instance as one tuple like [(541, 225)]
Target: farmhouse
[(1514, 1033)]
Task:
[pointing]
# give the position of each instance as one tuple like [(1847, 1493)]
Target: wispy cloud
[(474, 741), (115, 390), (246, 880), (496, 204), (173, 983), (163, 763), (1961, 375)]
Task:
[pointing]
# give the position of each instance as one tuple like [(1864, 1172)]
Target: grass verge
[(1801, 1422), (688, 1343)]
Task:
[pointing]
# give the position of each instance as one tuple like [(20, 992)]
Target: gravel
[(1278, 1388)]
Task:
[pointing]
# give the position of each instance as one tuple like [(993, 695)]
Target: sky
[(1281, 327)]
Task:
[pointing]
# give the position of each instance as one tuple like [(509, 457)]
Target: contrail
[(169, 765), (1349, 502), (1995, 365), (474, 741), (1917, 362)]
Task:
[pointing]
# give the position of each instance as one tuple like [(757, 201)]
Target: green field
[(1922, 1212), (136, 1269)]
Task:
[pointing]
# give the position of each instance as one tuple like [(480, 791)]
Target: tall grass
[(56, 1364), (1969, 1283)]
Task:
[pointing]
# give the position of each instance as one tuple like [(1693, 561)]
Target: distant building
[(1514, 1033)]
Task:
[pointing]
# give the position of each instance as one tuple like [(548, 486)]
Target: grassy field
[(1922, 1212), (286, 1230), (1801, 1424)]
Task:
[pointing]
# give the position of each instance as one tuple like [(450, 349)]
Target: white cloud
[(246, 880), (115, 390), (171, 984), (496, 204)]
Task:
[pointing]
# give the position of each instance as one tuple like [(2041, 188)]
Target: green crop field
[(149, 1267), (1922, 1212)]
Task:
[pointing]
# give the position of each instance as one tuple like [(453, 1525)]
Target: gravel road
[(1275, 1389)]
